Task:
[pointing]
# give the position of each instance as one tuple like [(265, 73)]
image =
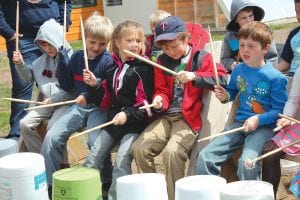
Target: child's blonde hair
[(157, 16), (122, 29), (257, 31), (99, 27)]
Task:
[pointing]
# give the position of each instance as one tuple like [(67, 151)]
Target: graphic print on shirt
[(258, 93)]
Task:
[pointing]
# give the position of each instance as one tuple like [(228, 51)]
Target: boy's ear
[(266, 49)]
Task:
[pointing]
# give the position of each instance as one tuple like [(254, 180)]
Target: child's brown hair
[(123, 28), (257, 31)]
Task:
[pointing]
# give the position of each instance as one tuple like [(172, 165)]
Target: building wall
[(74, 32)]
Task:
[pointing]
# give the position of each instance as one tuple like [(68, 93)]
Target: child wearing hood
[(43, 70), (241, 13)]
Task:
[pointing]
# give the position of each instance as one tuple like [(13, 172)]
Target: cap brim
[(166, 36)]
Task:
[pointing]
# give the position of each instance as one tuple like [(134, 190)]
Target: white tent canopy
[(274, 9)]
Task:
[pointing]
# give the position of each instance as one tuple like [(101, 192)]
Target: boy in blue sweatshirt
[(262, 90), (98, 30), (32, 15)]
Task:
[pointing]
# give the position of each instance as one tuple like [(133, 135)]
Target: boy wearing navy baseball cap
[(177, 99)]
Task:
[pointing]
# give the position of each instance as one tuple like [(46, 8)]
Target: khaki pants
[(170, 135)]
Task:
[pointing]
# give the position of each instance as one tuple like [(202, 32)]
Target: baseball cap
[(169, 28)]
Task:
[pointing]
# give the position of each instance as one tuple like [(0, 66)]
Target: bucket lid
[(204, 187), (21, 164), (247, 190), (75, 174), (147, 186)]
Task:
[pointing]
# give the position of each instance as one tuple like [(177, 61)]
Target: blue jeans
[(20, 89), (221, 149), (102, 149), (75, 119)]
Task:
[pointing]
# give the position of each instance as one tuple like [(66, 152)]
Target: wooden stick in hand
[(65, 25), (289, 118), (83, 44), (213, 59), (17, 27), (24, 101), (93, 129), (52, 105), (250, 163), (222, 133), (147, 106), (151, 62)]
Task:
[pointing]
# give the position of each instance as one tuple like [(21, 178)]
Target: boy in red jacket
[(177, 99)]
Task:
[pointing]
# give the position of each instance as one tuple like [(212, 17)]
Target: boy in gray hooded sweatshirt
[(43, 70), (241, 13)]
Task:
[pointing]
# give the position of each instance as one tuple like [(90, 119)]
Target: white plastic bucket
[(23, 176), (247, 190), (204, 187), (8, 146), (148, 186)]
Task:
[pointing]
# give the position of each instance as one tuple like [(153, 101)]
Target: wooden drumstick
[(222, 133), (84, 44), (17, 27), (24, 101), (65, 25), (213, 59), (289, 118), (275, 150), (93, 129), (52, 105), (147, 106), (151, 62)]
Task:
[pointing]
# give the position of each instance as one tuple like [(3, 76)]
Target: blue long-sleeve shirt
[(70, 76), (32, 15), (262, 92)]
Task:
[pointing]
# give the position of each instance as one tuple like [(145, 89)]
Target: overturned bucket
[(148, 186), (23, 176), (8, 146), (80, 183), (204, 187), (247, 190)]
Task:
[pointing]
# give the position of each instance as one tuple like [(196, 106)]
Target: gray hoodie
[(236, 7), (43, 69), (230, 45)]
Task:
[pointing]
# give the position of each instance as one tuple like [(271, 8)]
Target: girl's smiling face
[(130, 40)]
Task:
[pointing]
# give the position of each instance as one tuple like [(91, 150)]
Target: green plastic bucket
[(77, 183)]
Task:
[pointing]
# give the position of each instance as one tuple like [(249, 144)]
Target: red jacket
[(191, 103)]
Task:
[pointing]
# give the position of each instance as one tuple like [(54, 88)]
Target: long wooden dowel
[(147, 106), (221, 134), (52, 105), (83, 44), (24, 101), (93, 129), (17, 26), (289, 118), (151, 62), (213, 57), (275, 151), (278, 128), (65, 25)]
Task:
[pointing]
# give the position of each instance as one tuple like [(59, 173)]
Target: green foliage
[(4, 125), (76, 45)]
